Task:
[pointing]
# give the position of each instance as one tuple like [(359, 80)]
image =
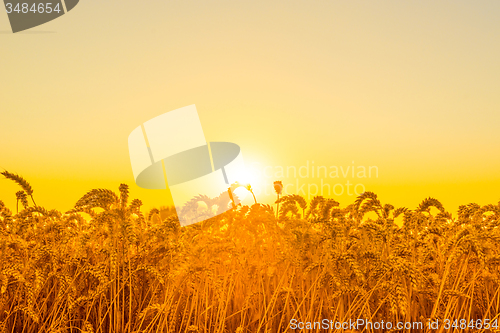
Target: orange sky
[(409, 87)]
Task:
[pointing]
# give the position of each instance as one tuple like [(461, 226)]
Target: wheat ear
[(21, 182)]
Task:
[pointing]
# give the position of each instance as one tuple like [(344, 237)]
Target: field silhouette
[(107, 266)]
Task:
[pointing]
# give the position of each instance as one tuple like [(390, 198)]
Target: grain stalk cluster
[(105, 266)]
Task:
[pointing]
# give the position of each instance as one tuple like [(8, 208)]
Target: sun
[(249, 180)]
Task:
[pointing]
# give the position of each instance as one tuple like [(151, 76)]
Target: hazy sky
[(412, 87)]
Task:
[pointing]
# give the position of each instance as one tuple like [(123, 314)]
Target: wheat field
[(107, 266)]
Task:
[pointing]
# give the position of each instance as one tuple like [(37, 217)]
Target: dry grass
[(106, 267)]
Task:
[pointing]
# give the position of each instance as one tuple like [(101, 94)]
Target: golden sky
[(411, 87)]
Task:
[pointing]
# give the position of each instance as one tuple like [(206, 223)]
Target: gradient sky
[(412, 87)]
